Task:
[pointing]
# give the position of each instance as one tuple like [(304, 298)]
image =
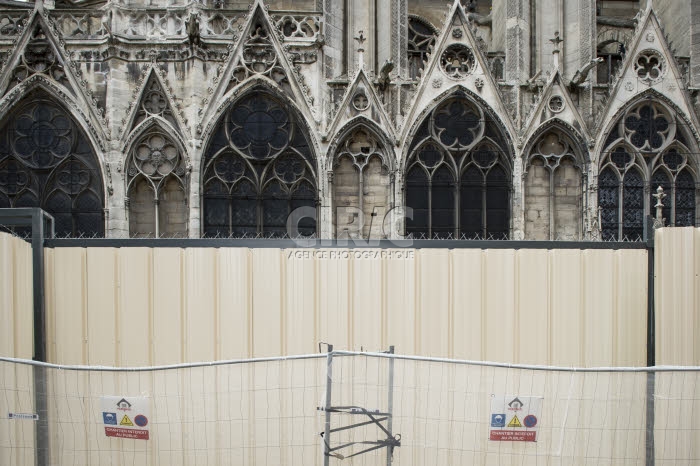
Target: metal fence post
[(329, 387), (651, 343), (39, 218), (390, 408)]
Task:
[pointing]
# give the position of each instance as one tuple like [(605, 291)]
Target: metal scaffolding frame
[(390, 441)]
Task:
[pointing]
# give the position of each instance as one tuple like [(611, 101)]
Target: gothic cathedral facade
[(480, 119)]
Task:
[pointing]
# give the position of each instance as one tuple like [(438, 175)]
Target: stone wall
[(104, 61)]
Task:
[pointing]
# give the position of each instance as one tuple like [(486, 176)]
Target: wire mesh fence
[(25, 233), (348, 408)]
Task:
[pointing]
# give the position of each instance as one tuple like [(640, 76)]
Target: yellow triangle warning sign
[(126, 421), (515, 422)]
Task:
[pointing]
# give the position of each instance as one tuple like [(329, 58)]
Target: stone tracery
[(157, 181), (553, 188), (645, 150), (47, 161), (457, 61), (457, 177), (40, 57), (258, 168), (259, 57), (273, 37), (361, 186)]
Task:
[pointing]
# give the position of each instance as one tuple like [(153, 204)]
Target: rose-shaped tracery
[(673, 159), (156, 155), (290, 168), (649, 66), (14, 178), (621, 158), (229, 167), (647, 127), (259, 127), (485, 156), (430, 156), (456, 124), (258, 52), (43, 136), (457, 61), (74, 179), (154, 102), (157, 186)]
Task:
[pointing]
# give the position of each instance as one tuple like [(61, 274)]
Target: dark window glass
[(417, 198), (244, 210), (633, 206), (685, 199), (471, 203), (457, 137), (609, 202), (257, 169), (216, 209), (497, 203), (47, 161), (275, 206), (646, 152), (443, 204), (305, 196)]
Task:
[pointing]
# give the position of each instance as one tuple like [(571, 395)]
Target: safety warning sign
[(125, 416), (515, 422), (514, 418)]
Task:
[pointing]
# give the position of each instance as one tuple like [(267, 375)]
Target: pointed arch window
[(157, 187), (258, 168), (646, 149), (47, 161), (457, 177), (361, 186), (421, 39), (553, 189)]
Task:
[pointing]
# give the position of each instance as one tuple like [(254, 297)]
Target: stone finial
[(556, 40), (360, 40), (659, 220), (555, 53), (360, 49)]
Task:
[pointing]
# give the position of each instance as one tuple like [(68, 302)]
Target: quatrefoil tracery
[(648, 128), (650, 66), (457, 61)]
